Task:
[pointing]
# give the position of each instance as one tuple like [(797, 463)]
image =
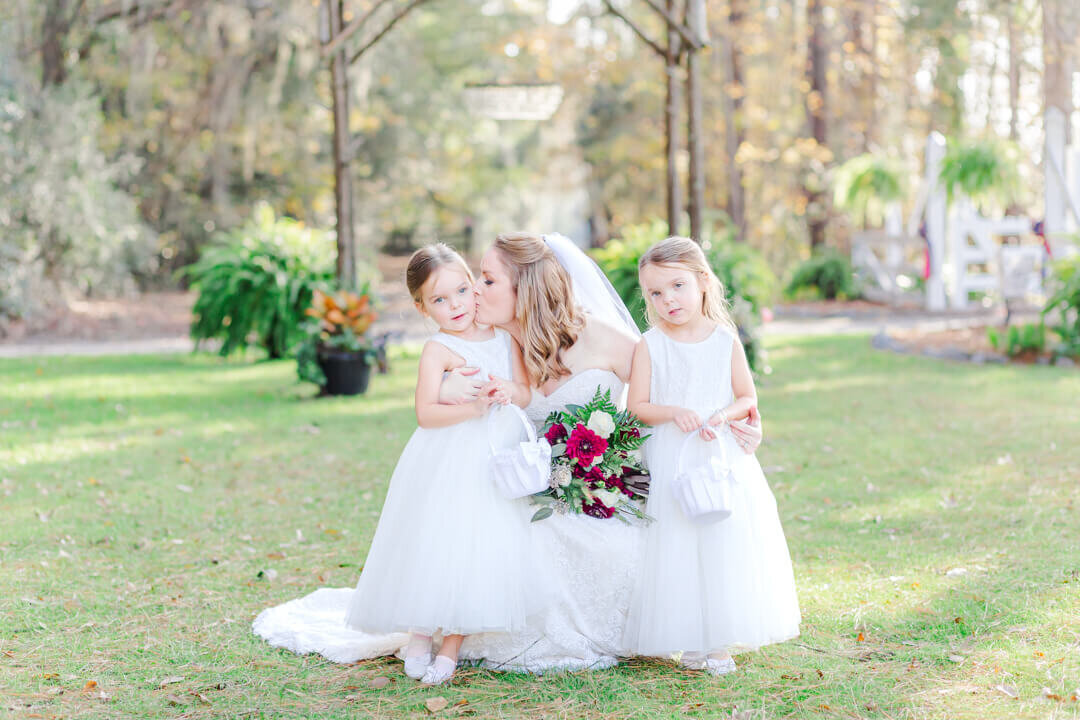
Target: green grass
[(143, 499)]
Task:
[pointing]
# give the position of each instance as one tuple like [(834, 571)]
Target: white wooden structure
[(970, 253)]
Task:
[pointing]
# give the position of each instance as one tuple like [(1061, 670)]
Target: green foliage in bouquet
[(595, 467)]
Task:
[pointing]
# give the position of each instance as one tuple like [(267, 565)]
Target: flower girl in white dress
[(450, 553), (704, 589)]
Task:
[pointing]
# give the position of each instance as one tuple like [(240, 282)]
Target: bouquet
[(595, 465)]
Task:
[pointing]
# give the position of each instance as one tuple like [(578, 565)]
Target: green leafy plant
[(336, 322), (255, 284), (1063, 306), (749, 283), (864, 185), (984, 170), (826, 275), (1027, 339)]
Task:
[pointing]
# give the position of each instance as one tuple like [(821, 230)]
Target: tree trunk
[(695, 136), (54, 30), (671, 127), (816, 111), (343, 192), (731, 102), (1057, 88), (1014, 73)]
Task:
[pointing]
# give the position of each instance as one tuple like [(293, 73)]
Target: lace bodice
[(578, 389)]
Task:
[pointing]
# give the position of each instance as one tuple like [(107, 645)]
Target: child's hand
[(707, 433), (687, 420), (499, 390)]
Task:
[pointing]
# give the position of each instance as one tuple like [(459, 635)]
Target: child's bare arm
[(742, 386), (637, 398), (435, 359)]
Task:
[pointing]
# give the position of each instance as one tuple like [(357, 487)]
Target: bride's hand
[(459, 386), (748, 432)]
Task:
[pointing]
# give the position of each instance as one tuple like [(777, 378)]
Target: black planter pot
[(346, 373)]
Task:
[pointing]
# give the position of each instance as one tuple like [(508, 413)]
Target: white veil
[(592, 290)]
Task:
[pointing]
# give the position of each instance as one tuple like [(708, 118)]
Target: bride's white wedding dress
[(586, 564)]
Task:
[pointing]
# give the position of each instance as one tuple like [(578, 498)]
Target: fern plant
[(985, 171), (827, 275), (1063, 306), (255, 284), (864, 185)]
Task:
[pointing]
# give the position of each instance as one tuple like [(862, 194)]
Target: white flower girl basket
[(705, 490), (522, 469)]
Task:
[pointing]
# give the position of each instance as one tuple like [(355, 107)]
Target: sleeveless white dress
[(726, 585), (587, 566), (450, 553)]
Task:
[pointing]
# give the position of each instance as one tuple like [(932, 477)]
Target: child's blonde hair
[(427, 260), (684, 251)]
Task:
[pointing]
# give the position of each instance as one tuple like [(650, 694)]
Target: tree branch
[(121, 9), (674, 24), (349, 29), (637, 30), (378, 36)]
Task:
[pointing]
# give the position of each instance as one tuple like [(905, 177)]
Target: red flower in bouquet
[(584, 445), (597, 509), (555, 433)]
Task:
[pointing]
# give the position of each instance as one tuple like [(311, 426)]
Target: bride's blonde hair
[(688, 254), (550, 321)]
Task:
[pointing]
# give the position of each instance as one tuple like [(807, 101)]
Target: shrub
[(748, 282), (256, 283), (1063, 306), (336, 322), (827, 275), (1019, 339)]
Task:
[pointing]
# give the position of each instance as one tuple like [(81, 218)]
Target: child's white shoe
[(417, 666), (439, 671), (717, 667)]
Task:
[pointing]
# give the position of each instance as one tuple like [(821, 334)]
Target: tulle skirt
[(450, 554), (708, 587)]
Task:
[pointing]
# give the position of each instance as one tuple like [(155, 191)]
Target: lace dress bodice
[(576, 390)]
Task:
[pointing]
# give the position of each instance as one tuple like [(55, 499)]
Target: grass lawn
[(151, 506)]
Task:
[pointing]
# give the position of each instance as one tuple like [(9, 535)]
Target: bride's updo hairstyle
[(682, 251), (427, 260), (545, 309)]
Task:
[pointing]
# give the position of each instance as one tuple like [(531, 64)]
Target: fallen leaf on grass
[(1008, 690), (436, 703), (202, 698), (175, 701), (860, 638), (171, 680), (957, 658), (50, 676), (380, 682), (1048, 694), (184, 488), (956, 572), (90, 686)]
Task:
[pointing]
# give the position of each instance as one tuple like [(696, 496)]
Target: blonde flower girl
[(449, 553), (704, 589)]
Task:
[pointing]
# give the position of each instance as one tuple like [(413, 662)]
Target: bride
[(576, 335)]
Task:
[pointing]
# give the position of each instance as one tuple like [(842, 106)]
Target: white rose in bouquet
[(601, 423), (607, 497)]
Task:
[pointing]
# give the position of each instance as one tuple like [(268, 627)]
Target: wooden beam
[(389, 26), (674, 24), (637, 30), (349, 29)]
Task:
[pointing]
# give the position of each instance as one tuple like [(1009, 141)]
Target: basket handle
[(690, 437), (520, 415)]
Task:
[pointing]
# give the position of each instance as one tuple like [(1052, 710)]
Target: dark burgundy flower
[(555, 433), (584, 445), (597, 509), (633, 432)]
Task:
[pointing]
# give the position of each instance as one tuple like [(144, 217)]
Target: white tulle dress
[(450, 553), (586, 565), (706, 587)]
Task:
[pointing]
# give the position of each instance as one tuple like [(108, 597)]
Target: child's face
[(674, 291), (447, 298)]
